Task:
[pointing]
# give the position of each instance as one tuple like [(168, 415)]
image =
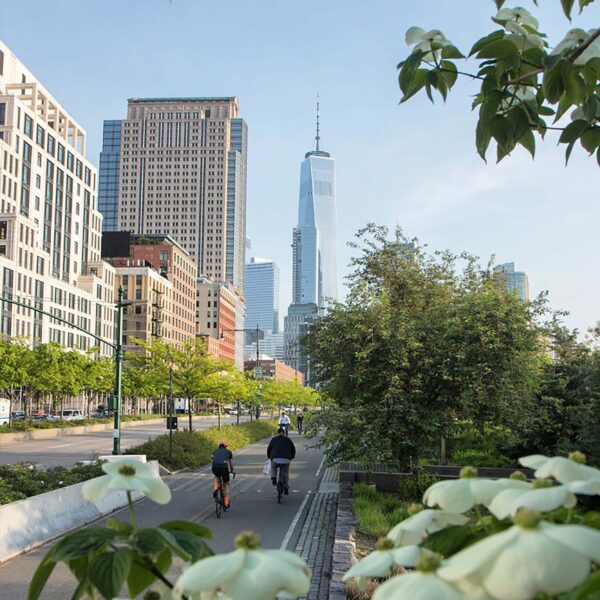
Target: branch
[(434, 66)]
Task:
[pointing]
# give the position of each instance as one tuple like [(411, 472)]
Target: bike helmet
[(223, 443)]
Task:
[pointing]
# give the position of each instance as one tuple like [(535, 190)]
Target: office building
[(297, 323), (172, 263), (515, 280), (108, 176), (269, 344), (182, 173), (50, 227), (261, 292), (269, 368), (314, 240)]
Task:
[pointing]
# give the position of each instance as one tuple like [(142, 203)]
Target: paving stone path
[(315, 543)]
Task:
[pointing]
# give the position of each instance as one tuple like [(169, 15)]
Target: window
[(2, 111), (60, 155), (138, 310), (28, 126), (164, 255), (70, 161), (50, 145), (3, 229), (39, 135)]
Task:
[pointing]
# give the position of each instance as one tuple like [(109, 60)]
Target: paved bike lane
[(254, 506)]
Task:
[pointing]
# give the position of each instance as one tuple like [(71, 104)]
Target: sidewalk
[(315, 544)]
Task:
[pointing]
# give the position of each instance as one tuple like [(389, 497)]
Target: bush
[(194, 448), (24, 480), (19, 426), (377, 513), (413, 486), (478, 458)]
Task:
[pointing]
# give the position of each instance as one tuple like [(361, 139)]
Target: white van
[(4, 411), (70, 414)]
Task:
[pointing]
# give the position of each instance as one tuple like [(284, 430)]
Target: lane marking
[(294, 522), (320, 467), (59, 446)]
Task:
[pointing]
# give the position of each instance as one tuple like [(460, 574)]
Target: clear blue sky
[(414, 165)]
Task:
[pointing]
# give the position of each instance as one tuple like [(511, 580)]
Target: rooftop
[(186, 99)]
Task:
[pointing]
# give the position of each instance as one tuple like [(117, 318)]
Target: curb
[(343, 545)]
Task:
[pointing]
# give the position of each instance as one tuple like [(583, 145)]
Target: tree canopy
[(524, 80)]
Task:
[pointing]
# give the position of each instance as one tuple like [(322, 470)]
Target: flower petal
[(502, 505), (157, 490), (414, 35), (95, 489), (584, 540), (210, 573), (377, 564), (417, 586)]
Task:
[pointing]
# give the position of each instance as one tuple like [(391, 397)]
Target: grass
[(377, 513), (194, 448)]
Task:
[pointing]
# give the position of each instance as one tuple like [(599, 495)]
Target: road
[(67, 450), (254, 506)]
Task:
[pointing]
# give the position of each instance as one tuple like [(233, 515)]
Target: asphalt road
[(67, 450), (254, 506)]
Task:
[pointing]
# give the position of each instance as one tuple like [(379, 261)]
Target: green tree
[(523, 80), (98, 378), (418, 343), (15, 360)]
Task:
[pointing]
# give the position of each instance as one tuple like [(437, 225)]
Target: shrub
[(194, 448), (413, 486), (478, 458), (377, 513)]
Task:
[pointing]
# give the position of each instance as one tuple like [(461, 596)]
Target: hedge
[(194, 448)]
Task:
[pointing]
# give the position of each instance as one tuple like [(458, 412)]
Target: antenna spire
[(317, 138)]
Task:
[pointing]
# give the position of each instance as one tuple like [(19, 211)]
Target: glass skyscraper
[(108, 182), (261, 292), (515, 280)]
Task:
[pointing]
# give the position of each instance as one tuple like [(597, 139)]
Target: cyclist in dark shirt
[(222, 465), (300, 421), (281, 451)]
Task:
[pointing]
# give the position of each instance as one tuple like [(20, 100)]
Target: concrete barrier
[(29, 523)]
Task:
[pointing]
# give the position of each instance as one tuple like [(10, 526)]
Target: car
[(42, 418), (18, 415), (70, 414), (233, 411)]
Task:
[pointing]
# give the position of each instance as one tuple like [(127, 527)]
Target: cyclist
[(281, 451), (284, 422), (300, 420), (222, 465)]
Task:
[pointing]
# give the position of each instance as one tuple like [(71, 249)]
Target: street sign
[(171, 422), (112, 402), (258, 372)]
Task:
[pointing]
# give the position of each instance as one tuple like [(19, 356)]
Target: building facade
[(108, 176), (269, 344), (182, 173), (517, 281), (261, 292), (297, 323), (50, 227), (270, 368), (171, 262)]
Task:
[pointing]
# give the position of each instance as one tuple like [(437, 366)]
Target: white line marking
[(320, 467), (293, 524), (59, 446)]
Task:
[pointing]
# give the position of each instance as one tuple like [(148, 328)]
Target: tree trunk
[(190, 412), (219, 416)]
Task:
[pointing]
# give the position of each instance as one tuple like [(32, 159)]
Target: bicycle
[(220, 497), (299, 426), (280, 484)]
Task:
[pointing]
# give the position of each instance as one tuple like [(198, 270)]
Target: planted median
[(194, 448)]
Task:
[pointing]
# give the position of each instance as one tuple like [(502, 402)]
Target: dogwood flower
[(517, 15), (531, 557), (460, 495), (560, 468), (508, 502), (423, 41), (576, 37), (416, 528), (247, 572), (423, 584), (522, 37), (127, 475)]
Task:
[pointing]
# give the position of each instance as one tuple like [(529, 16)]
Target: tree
[(225, 386), (98, 378), (523, 80), (417, 344), (15, 358)]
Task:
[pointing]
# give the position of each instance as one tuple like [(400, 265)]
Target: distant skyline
[(413, 165)]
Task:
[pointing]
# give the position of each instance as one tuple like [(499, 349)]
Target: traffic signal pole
[(118, 371)]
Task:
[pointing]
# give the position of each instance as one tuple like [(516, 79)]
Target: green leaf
[(567, 6), (120, 526), (140, 577), (553, 82), (591, 108), (450, 72), (546, 111), (592, 518), (194, 528), (590, 139), (418, 81), (598, 156), (196, 547), (109, 571), (499, 3), (173, 544), (574, 86), (528, 142), (573, 131), (483, 137), (148, 541), (489, 107), (484, 41), (594, 65), (583, 4), (449, 541), (451, 51), (40, 577), (563, 106), (498, 49), (590, 586)]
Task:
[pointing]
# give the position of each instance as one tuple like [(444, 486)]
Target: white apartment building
[(50, 228)]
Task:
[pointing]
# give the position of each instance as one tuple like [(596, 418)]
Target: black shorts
[(221, 471)]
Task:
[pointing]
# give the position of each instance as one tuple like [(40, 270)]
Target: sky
[(412, 165)]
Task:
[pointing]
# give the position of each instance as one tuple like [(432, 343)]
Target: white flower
[(518, 15), (460, 495), (519, 95), (522, 38), (247, 573), (423, 40), (415, 529), (509, 501), (590, 487), (560, 468), (127, 475), (529, 558), (576, 37)]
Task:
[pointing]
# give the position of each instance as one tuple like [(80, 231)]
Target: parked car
[(70, 414), (42, 418), (4, 411), (18, 415)]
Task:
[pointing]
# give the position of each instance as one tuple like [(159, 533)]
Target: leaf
[(451, 51), (528, 142), (484, 41), (563, 106), (194, 528), (109, 571), (574, 86), (140, 577), (498, 49), (173, 544), (449, 541), (40, 577), (546, 111), (573, 131), (590, 586), (583, 4), (120, 526), (148, 541), (82, 542), (590, 139), (416, 84), (483, 136), (553, 81), (567, 6), (598, 156), (592, 519)]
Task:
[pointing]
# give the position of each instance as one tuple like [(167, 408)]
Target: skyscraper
[(261, 292), (314, 239), (108, 176), (182, 173), (515, 280)]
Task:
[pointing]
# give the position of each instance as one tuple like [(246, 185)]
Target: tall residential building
[(515, 280), (108, 176), (270, 344), (314, 240), (297, 322), (50, 227), (171, 262), (261, 292), (182, 173)]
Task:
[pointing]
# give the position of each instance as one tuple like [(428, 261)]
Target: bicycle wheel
[(219, 500), (279, 491)]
